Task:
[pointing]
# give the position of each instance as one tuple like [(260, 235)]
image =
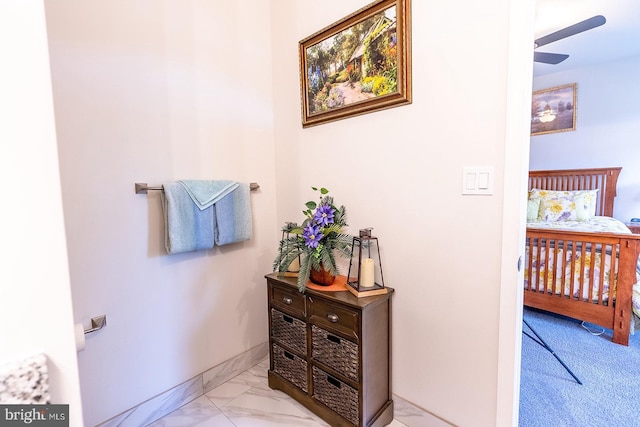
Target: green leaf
[(311, 205), (314, 188), (323, 190)]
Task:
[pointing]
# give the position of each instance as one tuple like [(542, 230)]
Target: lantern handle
[(366, 232)]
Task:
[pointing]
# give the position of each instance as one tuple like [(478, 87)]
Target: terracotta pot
[(322, 277)]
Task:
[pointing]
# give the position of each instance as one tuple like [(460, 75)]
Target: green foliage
[(334, 241), (381, 86), (367, 84), (328, 97), (354, 76), (342, 76), (374, 52), (319, 102)]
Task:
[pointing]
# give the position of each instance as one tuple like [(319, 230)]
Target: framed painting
[(360, 64), (553, 110)]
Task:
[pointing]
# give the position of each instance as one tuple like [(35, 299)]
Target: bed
[(580, 262)]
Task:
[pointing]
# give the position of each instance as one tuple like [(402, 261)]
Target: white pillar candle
[(366, 273), (294, 267)]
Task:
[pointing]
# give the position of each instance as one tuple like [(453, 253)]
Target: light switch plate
[(477, 180)]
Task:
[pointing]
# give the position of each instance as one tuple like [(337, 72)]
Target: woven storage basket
[(338, 353), (335, 394), (289, 330), (290, 367)]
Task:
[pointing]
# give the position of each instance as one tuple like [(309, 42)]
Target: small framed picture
[(553, 110)]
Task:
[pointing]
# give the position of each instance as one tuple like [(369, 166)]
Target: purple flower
[(324, 215), (312, 236)]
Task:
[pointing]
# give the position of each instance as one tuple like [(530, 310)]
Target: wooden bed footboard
[(586, 276)]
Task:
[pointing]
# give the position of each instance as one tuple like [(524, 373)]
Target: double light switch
[(477, 180)]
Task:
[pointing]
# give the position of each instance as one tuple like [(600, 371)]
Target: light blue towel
[(187, 228), (205, 193), (233, 216), (196, 219)]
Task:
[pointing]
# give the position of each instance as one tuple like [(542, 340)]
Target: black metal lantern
[(294, 267), (365, 269)]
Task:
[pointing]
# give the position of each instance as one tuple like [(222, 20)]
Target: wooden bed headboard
[(603, 179)]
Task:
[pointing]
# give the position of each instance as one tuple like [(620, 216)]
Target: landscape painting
[(553, 110), (357, 65)]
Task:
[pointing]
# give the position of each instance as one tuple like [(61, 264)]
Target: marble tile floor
[(247, 401)]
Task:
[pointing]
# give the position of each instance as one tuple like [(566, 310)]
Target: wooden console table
[(331, 352)]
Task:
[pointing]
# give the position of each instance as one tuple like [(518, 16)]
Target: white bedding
[(597, 224)]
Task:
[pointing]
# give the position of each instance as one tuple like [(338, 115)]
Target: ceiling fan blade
[(549, 58), (571, 30)]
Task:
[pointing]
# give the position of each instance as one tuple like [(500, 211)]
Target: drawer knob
[(333, 318), (287, 300)]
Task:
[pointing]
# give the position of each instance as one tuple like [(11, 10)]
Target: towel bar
[(142, 187)]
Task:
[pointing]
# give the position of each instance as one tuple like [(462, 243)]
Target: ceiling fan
[(556, 58)]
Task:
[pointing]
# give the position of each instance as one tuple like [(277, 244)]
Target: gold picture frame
[(357, 65), (554, 110)]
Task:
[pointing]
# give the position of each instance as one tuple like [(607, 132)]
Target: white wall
[(608, 107), (35, 297), (154, 91), (400, 172)]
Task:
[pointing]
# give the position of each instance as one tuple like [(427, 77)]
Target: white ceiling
[(618, 38)]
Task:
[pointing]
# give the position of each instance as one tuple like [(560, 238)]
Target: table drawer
[(289, 331), (289, 300), (335, 352), (335, 318), (289, 366)]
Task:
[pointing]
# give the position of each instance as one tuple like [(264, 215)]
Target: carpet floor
[(610, 373)]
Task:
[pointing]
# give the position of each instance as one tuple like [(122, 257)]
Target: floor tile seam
[(228, 407)]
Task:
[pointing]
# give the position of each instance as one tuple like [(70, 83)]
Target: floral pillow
[(586, 205), (533, 207), (565, 205)]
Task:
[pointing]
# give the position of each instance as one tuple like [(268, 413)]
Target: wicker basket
[(338, 353), (289, 331), (335, 394), (290, 367)]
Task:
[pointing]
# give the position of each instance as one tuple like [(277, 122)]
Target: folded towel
[(205, 193), (233, 216), (187, 228)]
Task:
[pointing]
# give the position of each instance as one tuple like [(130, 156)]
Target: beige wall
[(35, 298), (400, 172), (155, 91)]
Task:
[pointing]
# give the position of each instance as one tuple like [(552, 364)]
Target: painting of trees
[(553, 110), (355, 64), (358, 64)]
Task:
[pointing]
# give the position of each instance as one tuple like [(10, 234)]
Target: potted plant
[(316, 242)]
